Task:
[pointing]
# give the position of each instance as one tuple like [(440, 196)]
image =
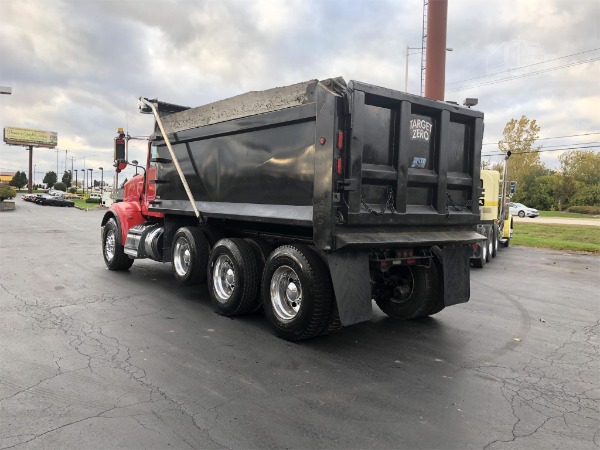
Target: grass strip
[(581, 238), (566, 215)]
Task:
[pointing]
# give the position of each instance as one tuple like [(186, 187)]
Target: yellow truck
[(496, 223)]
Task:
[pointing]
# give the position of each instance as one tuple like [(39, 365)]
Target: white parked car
[(519, 209)]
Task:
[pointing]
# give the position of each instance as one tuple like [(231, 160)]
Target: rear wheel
[(521, 214), (189, 256), (410, 292), (112, 250), (233, 277), (480, 261), (495, 240), (262, 250), (490, 244), (297, 293)]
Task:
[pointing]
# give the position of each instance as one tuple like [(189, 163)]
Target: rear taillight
[(339, 167), (340, 140)]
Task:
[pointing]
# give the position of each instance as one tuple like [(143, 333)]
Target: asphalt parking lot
[(97, 359)]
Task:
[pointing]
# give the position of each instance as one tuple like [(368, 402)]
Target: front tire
[(112, 250), (415, 294), (521, 214), (189, 256), (297, 293)]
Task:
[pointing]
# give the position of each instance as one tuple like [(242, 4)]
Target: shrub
[(73, 190), (60, 186), (93, 200), (587, 195), (594, 210), (7, 192)]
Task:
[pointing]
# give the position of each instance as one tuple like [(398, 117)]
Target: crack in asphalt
[(89, 341), (543, 393)]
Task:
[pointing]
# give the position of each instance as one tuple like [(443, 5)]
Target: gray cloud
[(77, 67)]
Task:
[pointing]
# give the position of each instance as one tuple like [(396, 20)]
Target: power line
[(523, 67), (555, 137), (581, 144), (502, 80), (542, 150)]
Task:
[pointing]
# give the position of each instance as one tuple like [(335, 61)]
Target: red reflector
[(474, 246), (322, 141), (411, 261), (384, 264), (339, 166), (340, 141)]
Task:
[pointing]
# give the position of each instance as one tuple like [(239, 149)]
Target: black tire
[(233, 279), (262, 250), (521, 214), (490, 245), (112, 250), (480, 261), (189, 256), (420, 302), (292, 273), (495, 233), (334, 323), (212, 235)]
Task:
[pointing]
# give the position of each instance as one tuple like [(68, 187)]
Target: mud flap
[(456, 267), (352, 285)]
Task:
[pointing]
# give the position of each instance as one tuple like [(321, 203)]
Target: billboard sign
[(25, 136)]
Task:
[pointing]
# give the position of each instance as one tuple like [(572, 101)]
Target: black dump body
[(342, 165)]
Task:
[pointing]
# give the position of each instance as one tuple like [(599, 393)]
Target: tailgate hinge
[(349, 184)]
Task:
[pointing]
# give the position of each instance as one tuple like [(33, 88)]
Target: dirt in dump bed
[(250, 103)]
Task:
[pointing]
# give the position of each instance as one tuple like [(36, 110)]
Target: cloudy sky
[(77, 67)]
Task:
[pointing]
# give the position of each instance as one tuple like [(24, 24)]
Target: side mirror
[(120, 165)]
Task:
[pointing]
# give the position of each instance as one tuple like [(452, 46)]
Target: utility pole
[(29, 182), (72, 158), (56, 151)]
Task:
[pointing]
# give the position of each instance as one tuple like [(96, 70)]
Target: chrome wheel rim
[(182, 257), (286, 293), (109, 245), (224, 278), (484, 248), (490, 246)]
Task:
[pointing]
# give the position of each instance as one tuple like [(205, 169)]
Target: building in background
[(5, 177)]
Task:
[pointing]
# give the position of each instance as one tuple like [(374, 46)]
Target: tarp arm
[(174, 158)]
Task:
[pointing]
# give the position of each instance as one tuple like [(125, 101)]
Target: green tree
[(536, 190), (518, 137), (6, 192), (67, 178), (60, 186), (18, 180), (582, 166), (50, 179), (587, 196)]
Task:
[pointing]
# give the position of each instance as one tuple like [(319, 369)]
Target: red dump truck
[(308, 201)]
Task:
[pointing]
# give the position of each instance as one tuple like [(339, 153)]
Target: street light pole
[(91, 180), (76, 181), (83, 181), (101, 180)]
